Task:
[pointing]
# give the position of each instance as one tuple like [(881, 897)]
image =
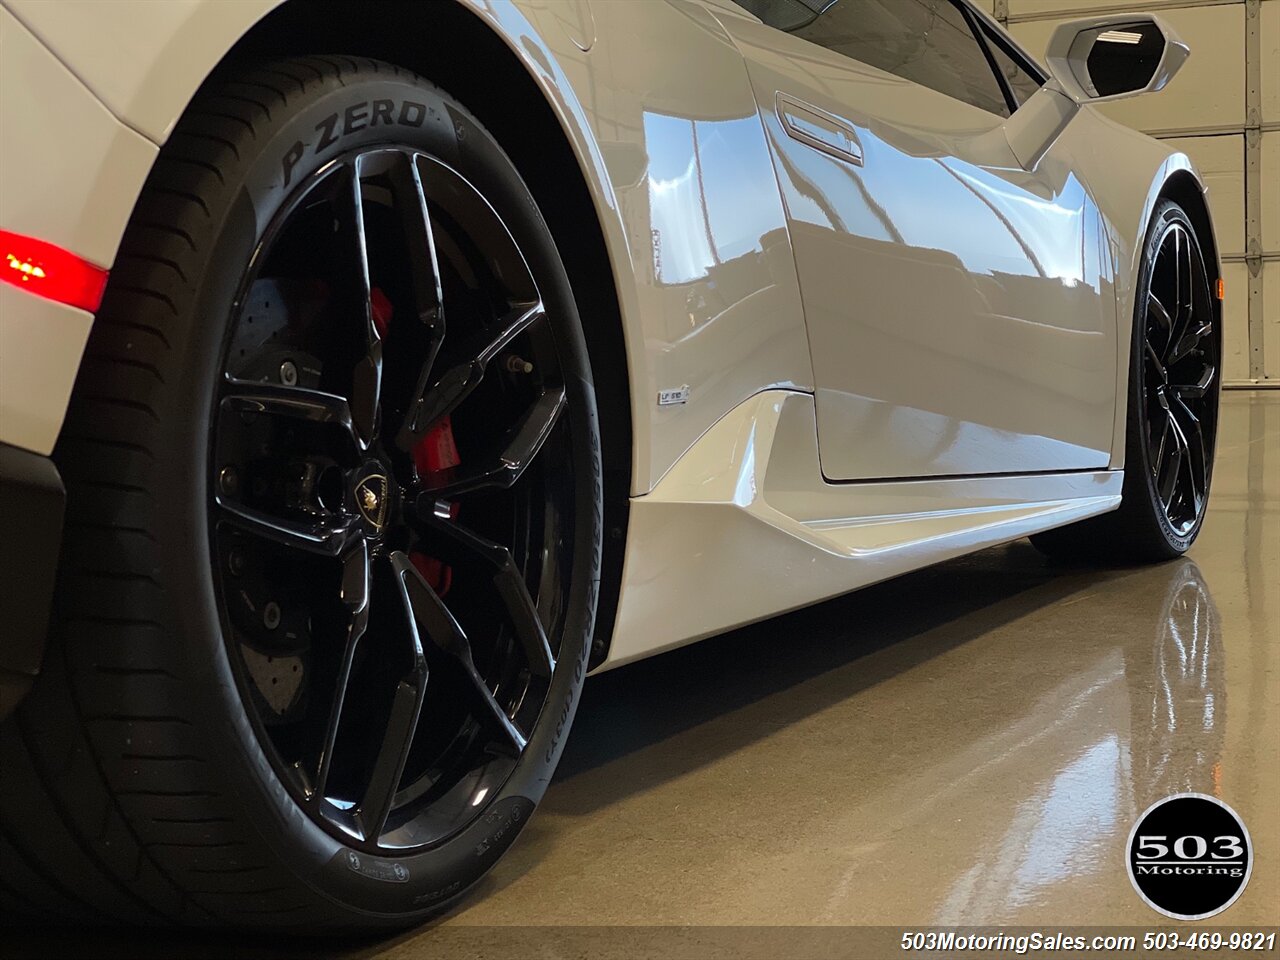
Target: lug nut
[(288, 374), (518, 364), (271, 615), (235, 561), (229, 481)]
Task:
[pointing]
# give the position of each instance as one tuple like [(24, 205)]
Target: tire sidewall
[(328, 119)]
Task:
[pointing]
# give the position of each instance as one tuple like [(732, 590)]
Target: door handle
[(816, 128)]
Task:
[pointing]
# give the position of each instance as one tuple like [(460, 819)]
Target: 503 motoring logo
[(1189, 856)]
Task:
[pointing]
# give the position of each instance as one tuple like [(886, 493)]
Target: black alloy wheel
[(1172, 407), (335, 521), (387, 605), (1179, 378)]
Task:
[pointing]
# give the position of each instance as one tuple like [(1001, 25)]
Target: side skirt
[(744, 527)]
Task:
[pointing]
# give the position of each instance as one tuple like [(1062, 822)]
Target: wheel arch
[(1184, 188), (1128, 195), (522, 95), (1176, 179)]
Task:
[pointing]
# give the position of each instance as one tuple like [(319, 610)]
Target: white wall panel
[(1220, 161), (1271, 193), (1235, 325), (1271, 61), (1041, 9), (1207, 92), (1271, 319)]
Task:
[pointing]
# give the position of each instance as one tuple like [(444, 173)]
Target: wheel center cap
[(373, 497)]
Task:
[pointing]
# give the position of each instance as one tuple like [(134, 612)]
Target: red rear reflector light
[(50, 272)]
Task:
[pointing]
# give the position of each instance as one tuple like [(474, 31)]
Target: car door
[(959, 306)]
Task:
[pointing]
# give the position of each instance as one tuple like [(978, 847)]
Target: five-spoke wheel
[(391, 497), (1180, 370)]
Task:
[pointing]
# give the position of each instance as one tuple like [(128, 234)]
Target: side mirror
[(1107, 58)]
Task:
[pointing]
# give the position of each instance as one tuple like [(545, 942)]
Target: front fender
[(144, 62), (723, 319)]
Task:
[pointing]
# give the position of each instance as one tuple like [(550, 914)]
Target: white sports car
[(370, 374)]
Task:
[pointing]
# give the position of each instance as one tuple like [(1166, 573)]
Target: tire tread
[(123, 798)]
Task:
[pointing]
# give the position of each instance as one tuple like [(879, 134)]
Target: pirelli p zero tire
[(334, 526), (1172, 420)]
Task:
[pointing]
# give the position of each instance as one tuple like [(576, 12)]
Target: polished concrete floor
[(968, 744)]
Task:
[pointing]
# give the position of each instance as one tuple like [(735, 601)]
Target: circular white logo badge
[(1189, 856)]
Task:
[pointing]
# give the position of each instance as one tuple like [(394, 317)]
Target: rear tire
[(144, 781), (1174, 383)]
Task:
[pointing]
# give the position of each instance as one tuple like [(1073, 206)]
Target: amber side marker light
[(1222, 289), (50, 272)]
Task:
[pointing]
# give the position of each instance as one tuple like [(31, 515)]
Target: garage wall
[(1222, 110)]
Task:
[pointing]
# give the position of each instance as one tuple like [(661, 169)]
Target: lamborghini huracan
[(371, 373)]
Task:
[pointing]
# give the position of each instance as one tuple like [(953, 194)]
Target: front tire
[(1171, 426), (333, 532)]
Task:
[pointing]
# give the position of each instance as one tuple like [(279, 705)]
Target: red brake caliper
[(434, 455)]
